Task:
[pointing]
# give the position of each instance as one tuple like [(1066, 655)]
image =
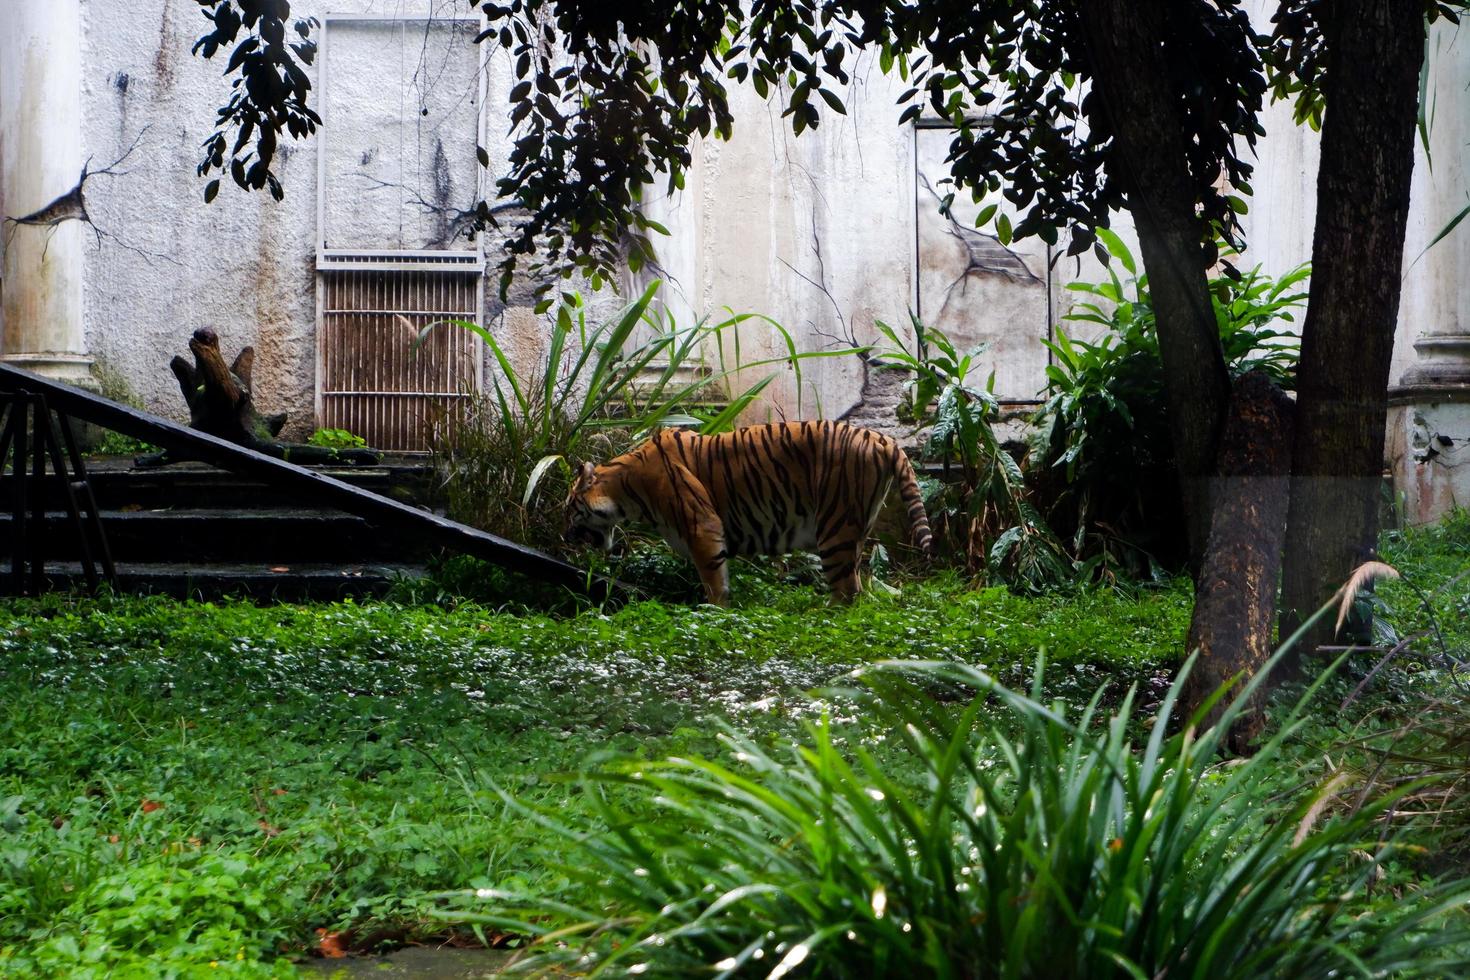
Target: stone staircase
[(192, 530)]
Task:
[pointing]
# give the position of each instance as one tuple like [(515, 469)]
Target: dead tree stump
[(221, 403), (1235, 596)]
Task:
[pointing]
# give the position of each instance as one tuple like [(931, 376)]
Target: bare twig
[(72, 206), (1397, 649), (458, 221), (847, 334)]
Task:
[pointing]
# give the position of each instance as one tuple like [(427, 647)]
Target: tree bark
[(1125, 40), (220, 397), (1235, 599), (221, 403), (1347, 341)]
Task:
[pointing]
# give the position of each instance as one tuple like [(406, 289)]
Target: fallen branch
[(221, 403)]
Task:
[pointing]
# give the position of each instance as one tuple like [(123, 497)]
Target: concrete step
[(116, 484), (274, 535), (280, 583), (190, 517)]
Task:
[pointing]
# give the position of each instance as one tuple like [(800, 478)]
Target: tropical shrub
[(1007, 840), (1104, 459), (504, 458), (985, 516)]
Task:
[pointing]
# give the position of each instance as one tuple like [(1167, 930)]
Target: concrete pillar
[(1429, 418), (40, 160)]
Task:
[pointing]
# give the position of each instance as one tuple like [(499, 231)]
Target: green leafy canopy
[(609, 98)]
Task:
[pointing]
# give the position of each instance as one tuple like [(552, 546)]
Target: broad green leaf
[(1117, 249), (539, 471)]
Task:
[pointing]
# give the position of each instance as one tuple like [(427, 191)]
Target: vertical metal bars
[(374, 382)]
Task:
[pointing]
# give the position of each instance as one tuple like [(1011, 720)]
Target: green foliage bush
[(985, 517), (1033, 845), (1104, 459), (336, 439)]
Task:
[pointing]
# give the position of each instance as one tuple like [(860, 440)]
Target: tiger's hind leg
[(840, 555), (841, 550)]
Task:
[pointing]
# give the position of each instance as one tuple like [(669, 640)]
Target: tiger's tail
[(913, 502)]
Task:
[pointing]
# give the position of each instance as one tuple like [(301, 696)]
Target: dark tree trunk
[(1124, 40), (1235, 599), (1347, 341), (1235, 566)]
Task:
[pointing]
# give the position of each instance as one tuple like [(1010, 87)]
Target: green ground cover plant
[(1432, 596), (187, 784), (336, 439), (197, 788)]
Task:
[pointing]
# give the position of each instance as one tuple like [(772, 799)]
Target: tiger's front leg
[(707, 551), (686, 517)]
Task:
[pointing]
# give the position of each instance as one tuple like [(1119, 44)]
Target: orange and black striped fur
[(761, 490)]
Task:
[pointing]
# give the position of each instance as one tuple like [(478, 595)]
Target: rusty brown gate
[(372, 381)]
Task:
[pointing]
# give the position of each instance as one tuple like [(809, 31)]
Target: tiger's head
[(592, 513)]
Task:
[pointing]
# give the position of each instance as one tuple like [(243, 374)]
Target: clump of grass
[(1016, 841), (1410, 697), (1432, 597)]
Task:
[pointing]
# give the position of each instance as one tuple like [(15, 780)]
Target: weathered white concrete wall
[(1435, 287), (1435, 301), (1429, 417), (976, 290), (171, 263), (402, 105), (244, 265), (1429, 453), (1278, 227), (816, 232)]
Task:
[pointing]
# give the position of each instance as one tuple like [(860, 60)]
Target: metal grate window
[(402, 99), (373, 383)]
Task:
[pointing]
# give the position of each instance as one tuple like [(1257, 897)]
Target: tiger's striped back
[(764, 489)]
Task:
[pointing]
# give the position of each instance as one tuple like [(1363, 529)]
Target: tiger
[(763, 489)]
